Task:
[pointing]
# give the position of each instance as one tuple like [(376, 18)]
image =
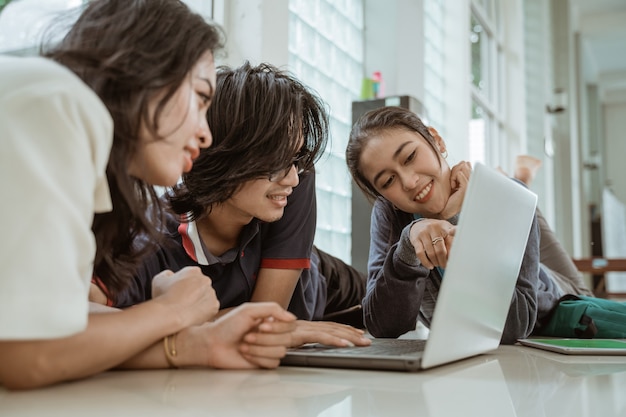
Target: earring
[(444, 154)]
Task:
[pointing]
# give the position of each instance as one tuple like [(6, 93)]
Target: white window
[(487, 78), (326, 53)]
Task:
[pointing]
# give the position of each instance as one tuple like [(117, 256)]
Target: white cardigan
[(55, 139)]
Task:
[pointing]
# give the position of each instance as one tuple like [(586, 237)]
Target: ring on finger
[(437, 240)]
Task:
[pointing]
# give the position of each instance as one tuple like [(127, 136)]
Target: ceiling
[(602, 27)]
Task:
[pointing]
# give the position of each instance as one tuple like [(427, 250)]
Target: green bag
[(585, 317)]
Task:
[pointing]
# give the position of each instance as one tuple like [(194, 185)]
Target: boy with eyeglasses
[(246, 212)]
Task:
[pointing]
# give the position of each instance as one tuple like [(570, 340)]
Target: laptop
[(614, 347), (476, 291)]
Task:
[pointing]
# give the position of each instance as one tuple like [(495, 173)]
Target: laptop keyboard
[(384, 347)]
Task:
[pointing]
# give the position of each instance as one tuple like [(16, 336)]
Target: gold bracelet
[(169, 345)]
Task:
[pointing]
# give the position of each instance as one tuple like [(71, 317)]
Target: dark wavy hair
[(373, 123), (258, 117), (129, 51)]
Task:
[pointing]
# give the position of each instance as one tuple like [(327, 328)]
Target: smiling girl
[(401, 166)]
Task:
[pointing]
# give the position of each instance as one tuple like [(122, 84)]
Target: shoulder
[(73, 128), (388, 222), (383, 209), (306, 188), (35, 73), (43, 82), (307, 179), (29, 68), (382, 205)]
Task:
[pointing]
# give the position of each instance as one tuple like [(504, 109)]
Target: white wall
[(615, 157), (394, 45), (256, 31)]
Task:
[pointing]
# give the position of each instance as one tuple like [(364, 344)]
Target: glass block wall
[(326, 53)]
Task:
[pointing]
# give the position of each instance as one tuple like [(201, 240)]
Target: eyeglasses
[(279, 175)]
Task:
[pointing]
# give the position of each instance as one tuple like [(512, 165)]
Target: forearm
[(153, 357), (393, 298), (222, 312), (275, 285), (108, 340)]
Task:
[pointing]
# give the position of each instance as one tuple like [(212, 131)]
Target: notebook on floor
[(476, 290), (615, 347)]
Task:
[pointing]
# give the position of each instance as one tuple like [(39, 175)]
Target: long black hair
[(129, 51)]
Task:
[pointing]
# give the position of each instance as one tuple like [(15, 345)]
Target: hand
[(328, 333), (253, 335), (190, 291), (459, 178), (432, 240)]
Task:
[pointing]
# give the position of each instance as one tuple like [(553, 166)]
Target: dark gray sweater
[(400, 289)]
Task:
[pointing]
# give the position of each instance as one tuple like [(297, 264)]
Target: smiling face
[(262, 198), (183, 129), (404, 169)]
